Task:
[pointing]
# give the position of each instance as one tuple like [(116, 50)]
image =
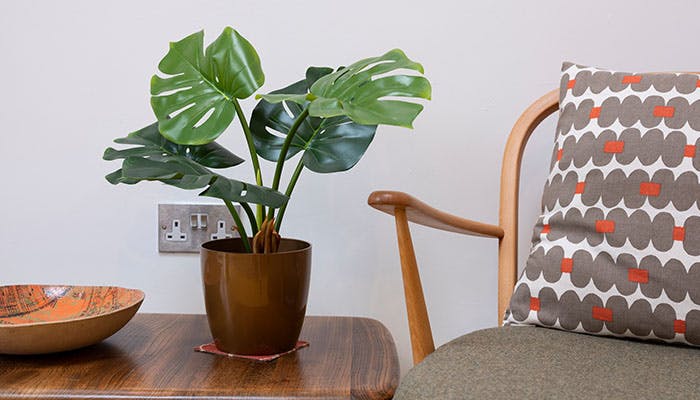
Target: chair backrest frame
[(510, 185)]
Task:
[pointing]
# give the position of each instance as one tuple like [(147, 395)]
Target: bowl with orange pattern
[(40, 319)]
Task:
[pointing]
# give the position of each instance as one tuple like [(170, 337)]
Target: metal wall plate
[(182, 228)]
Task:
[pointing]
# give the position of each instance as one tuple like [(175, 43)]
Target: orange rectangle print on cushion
[(661, 111), (605, 226), (614, 146), (689, 151), (638, 275), (632, 79), (567, 265), (649, 189), (602, 314)]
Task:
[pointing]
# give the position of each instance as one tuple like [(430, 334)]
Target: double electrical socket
[(182, 228)]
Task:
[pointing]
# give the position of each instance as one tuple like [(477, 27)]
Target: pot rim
[(306, 246)]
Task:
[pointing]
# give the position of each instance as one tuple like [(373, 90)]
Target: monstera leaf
[(153, 145), (360, 92), (194, 103), (157, 159), (329, 144)]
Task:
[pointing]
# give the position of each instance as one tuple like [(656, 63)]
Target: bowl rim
[(141, 296)]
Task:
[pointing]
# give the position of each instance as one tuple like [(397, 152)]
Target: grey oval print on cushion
[(616, 250)]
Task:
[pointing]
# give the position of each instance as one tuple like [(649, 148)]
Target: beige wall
[(74, 75)]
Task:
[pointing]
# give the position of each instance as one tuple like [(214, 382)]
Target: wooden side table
[(152, 357)]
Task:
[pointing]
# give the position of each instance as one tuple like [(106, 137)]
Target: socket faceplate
[(182, 228)]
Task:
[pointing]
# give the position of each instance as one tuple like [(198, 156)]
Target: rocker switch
[(199, 221)]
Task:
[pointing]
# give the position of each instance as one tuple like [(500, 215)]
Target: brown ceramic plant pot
[(255, 303)]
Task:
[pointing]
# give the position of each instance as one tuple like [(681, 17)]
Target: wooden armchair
[(406, 208), (522, 362)]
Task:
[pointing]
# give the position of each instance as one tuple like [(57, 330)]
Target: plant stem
[(285, 148), (288, 193), (253, 154), (239, 225), (283, 153), (251, 218), (293, 182)]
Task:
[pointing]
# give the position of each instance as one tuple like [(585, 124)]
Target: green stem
[(288, 192), (253, 154), (251, 218), (293, 182), (283, 153), (239, 224), (285, 147)]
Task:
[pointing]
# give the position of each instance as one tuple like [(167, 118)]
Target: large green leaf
[(156, 159), (364, 92), (153, 145), (187, 175), (193, 103), (329, 144)]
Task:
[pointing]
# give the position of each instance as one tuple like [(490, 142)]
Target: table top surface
[(152, 357)]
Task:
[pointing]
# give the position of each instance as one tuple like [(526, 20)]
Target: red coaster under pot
[(211, 349)]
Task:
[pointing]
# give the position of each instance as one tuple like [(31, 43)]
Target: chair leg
[(418, 322)]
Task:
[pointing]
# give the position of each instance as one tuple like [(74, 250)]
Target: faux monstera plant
[(330, 117)]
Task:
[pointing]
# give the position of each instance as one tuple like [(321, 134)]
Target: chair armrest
[(423, 214)]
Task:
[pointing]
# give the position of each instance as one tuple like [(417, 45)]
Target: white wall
[(74, 75)]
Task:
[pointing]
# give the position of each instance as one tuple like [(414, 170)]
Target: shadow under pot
[(255, 303)]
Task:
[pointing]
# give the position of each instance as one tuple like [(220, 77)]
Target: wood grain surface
[(153, 358)]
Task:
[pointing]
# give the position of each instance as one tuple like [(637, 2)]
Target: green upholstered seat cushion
[(539, 363)]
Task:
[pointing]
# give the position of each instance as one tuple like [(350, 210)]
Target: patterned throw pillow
[(616, 249)]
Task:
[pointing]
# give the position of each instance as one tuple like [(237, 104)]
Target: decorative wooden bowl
[(39, 319)]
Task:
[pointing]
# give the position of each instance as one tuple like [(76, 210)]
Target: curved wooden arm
[(407, 208), (423, 214)]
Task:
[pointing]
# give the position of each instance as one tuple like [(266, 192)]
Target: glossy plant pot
[(255, 303)]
